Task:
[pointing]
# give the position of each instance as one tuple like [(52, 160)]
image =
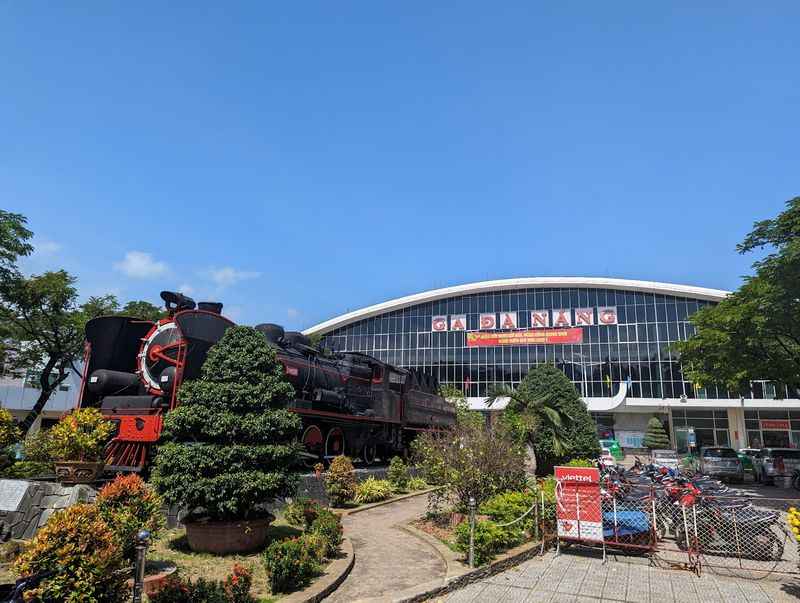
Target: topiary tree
[(231, 445), (547, 413), (655, 437)]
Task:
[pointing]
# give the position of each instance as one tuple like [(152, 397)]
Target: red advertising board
[(774, 424), (578, 507), (477, 339)]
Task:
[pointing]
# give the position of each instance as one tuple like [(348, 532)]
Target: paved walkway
[(580, 576), (388, 560)]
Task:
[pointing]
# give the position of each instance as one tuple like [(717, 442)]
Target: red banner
[(578, 507), (774, 424), (477, 339)]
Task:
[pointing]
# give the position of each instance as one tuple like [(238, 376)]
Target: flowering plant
[(80, 436)]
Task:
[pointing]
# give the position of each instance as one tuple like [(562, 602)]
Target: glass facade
[(637, 348)]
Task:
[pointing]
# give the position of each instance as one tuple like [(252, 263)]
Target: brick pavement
[(577, 576)]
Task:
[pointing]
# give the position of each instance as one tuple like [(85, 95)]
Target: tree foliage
[(655, 437), (547, 412), (14, 241), (231, 444), (42, 319), (464, 414), (753, 334)]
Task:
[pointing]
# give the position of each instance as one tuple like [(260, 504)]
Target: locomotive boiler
[(350, 403)]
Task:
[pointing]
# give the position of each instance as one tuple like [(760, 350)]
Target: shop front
[(772, 428), (700, 427)]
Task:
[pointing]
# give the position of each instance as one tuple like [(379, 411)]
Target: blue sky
[(302, 160)]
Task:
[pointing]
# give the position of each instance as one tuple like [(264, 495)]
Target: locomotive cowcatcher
[(350, 403)]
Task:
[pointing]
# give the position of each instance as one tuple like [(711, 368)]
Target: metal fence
[(734, 534)]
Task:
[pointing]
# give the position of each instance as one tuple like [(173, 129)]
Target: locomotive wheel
[(334, 443), (313, 441), (370, 453)]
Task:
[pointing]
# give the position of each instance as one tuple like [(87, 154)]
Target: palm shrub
[(397, 473), (550, 418), (340, 481), (82, 551), (417, 483), (231, 444)]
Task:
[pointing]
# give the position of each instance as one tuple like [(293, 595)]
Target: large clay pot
[(78, 472), (154, 582), (223, 537)]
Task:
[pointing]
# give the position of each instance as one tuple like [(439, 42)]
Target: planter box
[(224, 537), (78, 472)]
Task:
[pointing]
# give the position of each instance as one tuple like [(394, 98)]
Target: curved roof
[(509, 284)]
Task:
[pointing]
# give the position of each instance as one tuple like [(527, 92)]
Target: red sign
[(578, 507), (772, 424), (477, 339)]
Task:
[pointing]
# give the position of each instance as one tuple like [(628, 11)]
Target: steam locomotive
[(350, 403)]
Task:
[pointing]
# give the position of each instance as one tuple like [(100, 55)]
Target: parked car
[(775, 462), (721, 462), (613, 447), (664, 458)]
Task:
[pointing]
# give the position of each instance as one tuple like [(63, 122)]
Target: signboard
[(458, 322), (524, 337), (691, 438), (607, 315), (584, 317), (12, 491), (439, 323), (508, 320), (562, 318), (540, 319), (578, 507), (773, 424), (488, 321)]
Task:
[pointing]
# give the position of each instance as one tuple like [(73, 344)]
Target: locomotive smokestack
[(214, 307)]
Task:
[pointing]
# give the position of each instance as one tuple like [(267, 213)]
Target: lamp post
[(142, 540)]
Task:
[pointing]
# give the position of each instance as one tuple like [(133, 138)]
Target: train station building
[(612, 337)]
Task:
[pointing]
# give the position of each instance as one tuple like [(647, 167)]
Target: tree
[(471, 461), (231, 445), (42, 320), (655, 437), (753, 334), (550, 418), (14, 243), (143, 310)]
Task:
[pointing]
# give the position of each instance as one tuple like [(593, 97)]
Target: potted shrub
[(77, 444), (231, 446)]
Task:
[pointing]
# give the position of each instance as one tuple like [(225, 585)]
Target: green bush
[(290, 565), (301, 512), (508, 506), (372, 490), (329, 526), (417, 483), (82, 552), (397, 473), (488, 541), (129, 505), (580, 463), (25, 469), (231, 445), (340, 482)]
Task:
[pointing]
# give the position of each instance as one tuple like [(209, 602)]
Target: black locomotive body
[(350, 403)]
